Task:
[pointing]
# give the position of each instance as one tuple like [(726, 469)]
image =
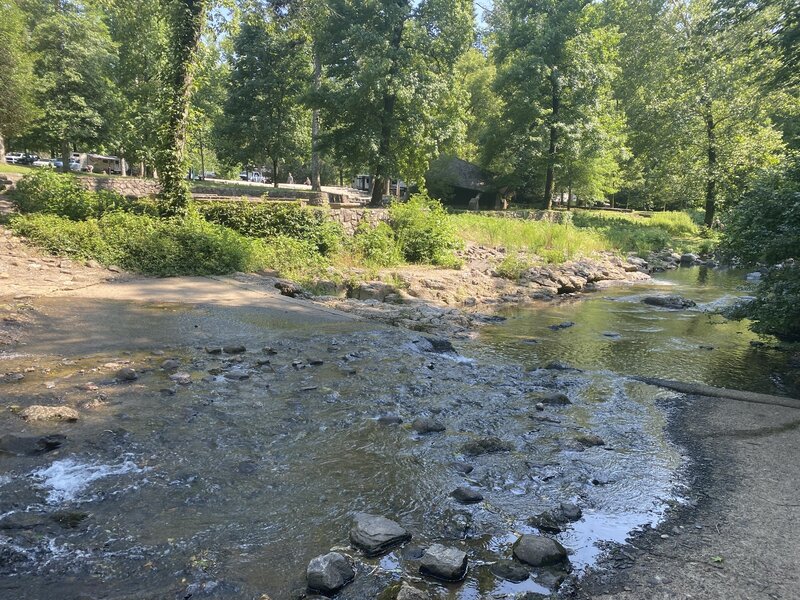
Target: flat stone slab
[(441, 562), (375, 535), (539, 551), (49, 413)]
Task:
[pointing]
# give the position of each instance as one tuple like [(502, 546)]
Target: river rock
[(49, 413), (329, 573), (571, 512), (375, 535), (673, 302), (30, 446), (411, 593), (564, 325), (552, 398), (425, 425), (235, 349), (510, 571), (440, 346), (441, 562), (539, 551), (181, 378), (689, 259), (467, 495), (390, 420), (554, 521), (127, 374), (589, 440), (462, 467), (487, 445), (170, 364)]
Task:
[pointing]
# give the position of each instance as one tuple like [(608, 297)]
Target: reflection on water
[(614, 331)]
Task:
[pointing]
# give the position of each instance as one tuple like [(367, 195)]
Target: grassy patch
[(7, 168)]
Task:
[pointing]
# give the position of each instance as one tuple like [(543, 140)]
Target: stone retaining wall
[(551, 216), (349, 218), (130, 187)]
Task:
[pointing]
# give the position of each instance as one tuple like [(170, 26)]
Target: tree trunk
[(316, 183), (275, 173), (711, 181), (551, 153), (382, 174), (186, 24), (123, 166), (65, 156), (2, 149), (569, 190), (341, 177)]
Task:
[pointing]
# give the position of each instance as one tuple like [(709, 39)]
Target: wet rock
[(247, 467), (548, 521), (234, 349), (390, 420), (551, 577), (213, 350), (127, 374), (510, 571), (412, 552), (689, 259), (49, 413), (487, 445), (589, 440), (552, 398), (564, 325), (411, 593), (441, 562), (570, 511), (375, 535), (672, 302), (424, 425), (559, 366), (538, 551), (170, 364), (181, 378), (30, 446), (440, 346), (13, 377), (292, 290), (467, 495), (69, 519), (329, 573), (456, 525), (462, 467)]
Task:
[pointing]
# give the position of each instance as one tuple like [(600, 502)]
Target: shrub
[(377, 245), (295, 259), (776, 309), (271, 220), (58, 235), (512, 267), (424, 231)]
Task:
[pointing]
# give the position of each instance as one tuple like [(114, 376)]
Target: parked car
[(15, 158), (74, 165), (47, 163)]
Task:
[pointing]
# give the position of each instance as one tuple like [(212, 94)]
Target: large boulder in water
[(539, 551), (673, 302), (441, 562), (329, 573), (375, 535)]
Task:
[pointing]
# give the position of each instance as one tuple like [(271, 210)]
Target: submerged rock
[(441, 562), (487, 445), (672, 302), (467, 495), (462, 467), (555, 520), (30, 446), (411, 593), (375, 535), (539, 551), (390, 420), (170, 364), (564, 325), (425, 425), (552, 398), (329, 573), (49, 413), (589, 440), (510, 571), (127, 374)]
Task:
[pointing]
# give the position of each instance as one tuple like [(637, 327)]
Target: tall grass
[(553, 242)]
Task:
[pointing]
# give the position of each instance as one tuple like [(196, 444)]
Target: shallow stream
[(227, 486)]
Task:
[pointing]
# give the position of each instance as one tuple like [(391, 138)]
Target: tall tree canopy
[(15, 73)]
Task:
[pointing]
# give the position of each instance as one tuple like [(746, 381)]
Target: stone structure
[(349, 218), (130, 187)]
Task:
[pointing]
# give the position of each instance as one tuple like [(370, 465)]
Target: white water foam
[(66, 479)]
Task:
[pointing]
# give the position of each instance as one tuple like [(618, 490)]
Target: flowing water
[(228, 486)]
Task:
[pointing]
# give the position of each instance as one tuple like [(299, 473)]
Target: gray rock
[(425, 425), (441, 562), (467, 495), (589, 440), (552, 398), (30, 446), (170, 364), (564, 325), (411, 593), (375, 535), (440, 346), (689, 258), (181, 378), (329, 573), (487, 445), (390, 420), (462, 467), (127, 374), (538, 551), (234, 349), (571, 512), (510, 571), (49, 413), (672, 302)]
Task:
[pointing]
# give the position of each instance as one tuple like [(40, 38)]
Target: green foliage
[(776, 309), (377, 245), (15, 72), (765, 225), (62, 195), (61, 236), (424, 230), (513, 266), (270, 220), (293, 258)]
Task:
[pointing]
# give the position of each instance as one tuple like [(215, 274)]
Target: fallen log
[(699, 389)]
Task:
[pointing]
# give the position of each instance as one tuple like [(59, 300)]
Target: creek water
[(228, 486)]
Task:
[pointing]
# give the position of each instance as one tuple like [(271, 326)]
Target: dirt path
[(739, 538)]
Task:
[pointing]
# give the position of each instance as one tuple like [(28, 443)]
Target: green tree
[(186, 21), (264, 120), (74, 61), (15, 73), (387, 82), (556, 63)]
